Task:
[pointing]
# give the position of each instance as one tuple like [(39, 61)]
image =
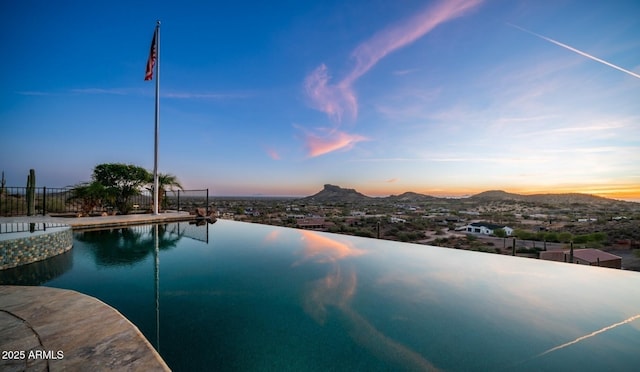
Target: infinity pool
[(238, 296)]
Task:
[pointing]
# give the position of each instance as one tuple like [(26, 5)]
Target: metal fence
[(17, 227), (61, 201)]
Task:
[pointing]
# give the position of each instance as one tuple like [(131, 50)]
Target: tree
[(91, 195), (166, 181), (121, 181), (501, 233), (565, 237), (552, 236)]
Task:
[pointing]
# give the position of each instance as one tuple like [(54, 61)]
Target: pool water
[(238, 296)]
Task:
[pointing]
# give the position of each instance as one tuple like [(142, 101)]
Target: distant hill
[(337, 194), (411, 197), (497, 195), (334, 194), (561, 199)]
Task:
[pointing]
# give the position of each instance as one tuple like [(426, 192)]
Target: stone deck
[(50, 329)]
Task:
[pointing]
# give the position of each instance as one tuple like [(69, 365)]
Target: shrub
[(364, 233)]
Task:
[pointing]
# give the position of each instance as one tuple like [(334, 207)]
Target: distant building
[(486, 228), (313, 223), (396, 220), (592, 257)]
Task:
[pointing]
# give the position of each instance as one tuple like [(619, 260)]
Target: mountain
[(497, 195), (337, 194), (411, 197), (554, 199), (334, 194)]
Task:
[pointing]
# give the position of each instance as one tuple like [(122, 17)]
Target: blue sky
[(279, 98)]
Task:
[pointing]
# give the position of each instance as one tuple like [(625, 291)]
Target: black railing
[(62, 201), (185, 200), (17, 227)]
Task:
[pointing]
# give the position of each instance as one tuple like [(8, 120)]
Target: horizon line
[(464, 195)]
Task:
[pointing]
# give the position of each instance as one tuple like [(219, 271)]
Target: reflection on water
[(332, 289), (38, 272), (258, 297), (592, 334), (129, 245), (336, 290)]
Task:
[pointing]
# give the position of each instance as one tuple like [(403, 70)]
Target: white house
[(486, 228)]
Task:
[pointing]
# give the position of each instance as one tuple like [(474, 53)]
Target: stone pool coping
[(60, 329)]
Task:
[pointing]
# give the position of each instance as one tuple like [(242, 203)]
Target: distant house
[(397, 220), (312, 223), (592, 257), (486, 228)]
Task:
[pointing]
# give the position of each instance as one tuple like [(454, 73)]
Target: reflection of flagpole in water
[(157, 283)]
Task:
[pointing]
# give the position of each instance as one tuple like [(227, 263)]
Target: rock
[(201, 212), (212, 218)]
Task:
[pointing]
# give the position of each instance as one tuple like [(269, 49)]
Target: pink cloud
[(390, 39), (335, 140), (339, 99), (273, 154), (334, 100)]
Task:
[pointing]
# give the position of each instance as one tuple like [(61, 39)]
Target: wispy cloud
[(35, 93), (444, 158), (166, 94), (82, 91), (140, 92), (576, 51), (336, 100), (116, 91), (333, 100), (339, 100), (405, 72), (386, 41), (273, 154), (206, 96), (333, 140)]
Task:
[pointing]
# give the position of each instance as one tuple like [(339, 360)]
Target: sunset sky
[(445, 98)]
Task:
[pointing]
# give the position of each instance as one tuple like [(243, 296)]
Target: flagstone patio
[(50, 329)]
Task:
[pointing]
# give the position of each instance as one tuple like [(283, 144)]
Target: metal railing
[(49, 200), (17, 227)]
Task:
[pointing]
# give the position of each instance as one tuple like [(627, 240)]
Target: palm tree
[(166, 181)]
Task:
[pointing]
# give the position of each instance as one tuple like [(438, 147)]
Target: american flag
[(152, 58)]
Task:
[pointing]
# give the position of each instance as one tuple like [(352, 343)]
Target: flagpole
[(157, 126)]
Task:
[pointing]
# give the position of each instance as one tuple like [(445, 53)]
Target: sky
[(445, 98)]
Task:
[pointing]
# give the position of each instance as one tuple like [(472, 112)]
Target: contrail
[(582, 338), (576, 51)]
